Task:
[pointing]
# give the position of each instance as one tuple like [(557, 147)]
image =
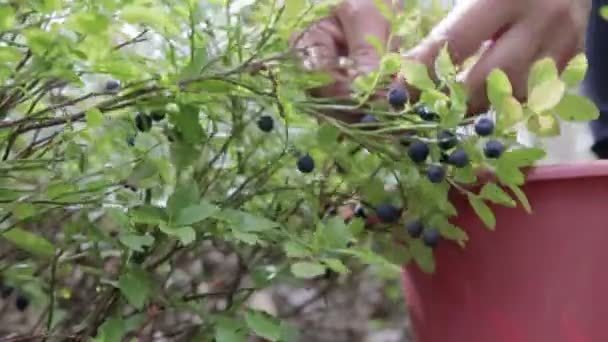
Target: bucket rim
[(569, 170)]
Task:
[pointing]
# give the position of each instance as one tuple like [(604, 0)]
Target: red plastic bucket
[(540, 277)]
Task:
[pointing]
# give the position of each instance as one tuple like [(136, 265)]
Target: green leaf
[(542, 71), (32, 243), (246, 222), (186, 235), (184, 196), (521, 157), (545, 125), (295, 250), (390, 63), (577, 108), (136, 242), (136, 286), (496, 194), (228, 330), (444, 67), (24, 210), (498, 87), (452, 232), (521, 197), (508, 173), (187, 120), (148, 214), (327, 136), (334, 233), (483, 211), (575, 71), (416, 74), (9, 54), (546, 95), (335, 265), (7, 17), (423, 256), (307, 270), (263, 325), (155, 17), (89, 23), (112, 330), (510, 112), (195, 213), (94, 117)]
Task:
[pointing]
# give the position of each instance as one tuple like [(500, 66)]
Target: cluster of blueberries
[(418, 151), (21, 301)]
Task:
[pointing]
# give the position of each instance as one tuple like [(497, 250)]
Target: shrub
[(129, 140)]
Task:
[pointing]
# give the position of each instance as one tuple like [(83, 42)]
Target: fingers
[(465, 29), (513, 53), (361, 19)]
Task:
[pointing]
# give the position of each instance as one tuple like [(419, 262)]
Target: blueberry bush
[(135, 133)]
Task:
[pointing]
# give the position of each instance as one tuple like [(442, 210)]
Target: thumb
[(360, 20)]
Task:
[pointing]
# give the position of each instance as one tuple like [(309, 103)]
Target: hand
[(342, 37), (520, 32)]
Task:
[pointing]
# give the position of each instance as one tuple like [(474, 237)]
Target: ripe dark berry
[(397, 97), (306, 164), (493, 149), (138, 258), (6, 291), (360, 212), (157, 115), (414, 228), (388, 213), (436, 174), (112, 85), (426, 114), (459, 158), (484, 127), (143, 122), (265, 123), (369, 119), (22, 302), (418, 151), (431, 237), (447, 140)]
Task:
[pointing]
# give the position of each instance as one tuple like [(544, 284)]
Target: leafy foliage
[(93, 180)]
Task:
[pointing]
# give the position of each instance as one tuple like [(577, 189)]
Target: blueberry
[(431, 237), (306, 164), (426, 114), (138, 258), (414, 228), (388, 213), (22, 302), (143, 122), (369, 119), (397, 97), (459, 158), (493, 149), (436, 174), (6, 291), (360, 212), (484, 127), (112, 85), (418, 151), (265, 123), (447, 140), (157, 115)]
